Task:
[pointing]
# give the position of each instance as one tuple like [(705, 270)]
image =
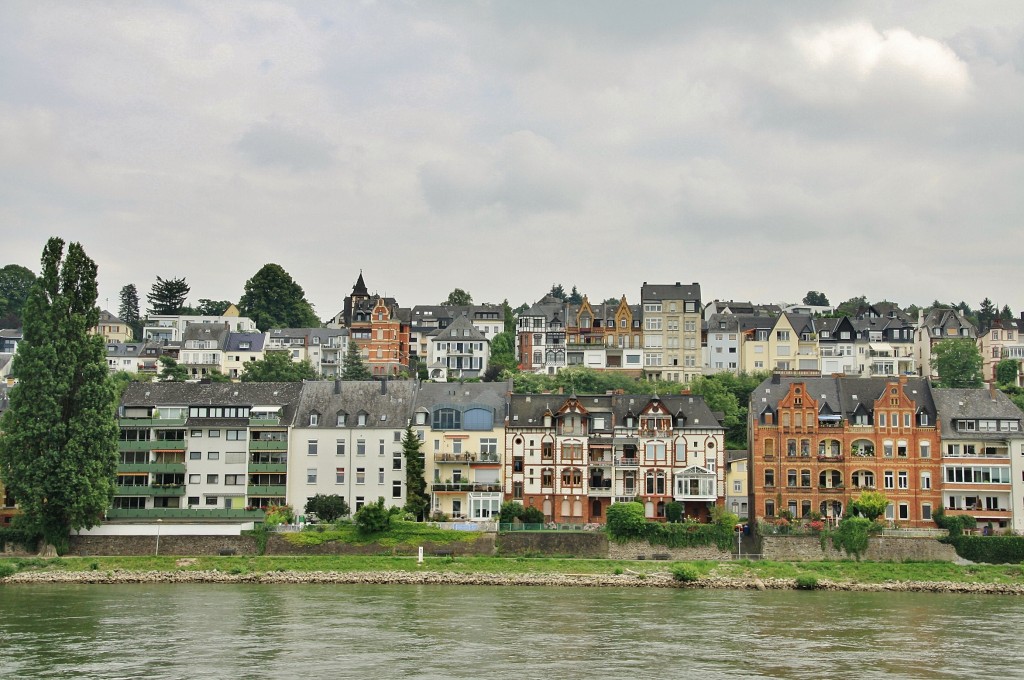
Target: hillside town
[(845, 404)]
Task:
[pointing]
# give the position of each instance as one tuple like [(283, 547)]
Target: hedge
[(990, 549)]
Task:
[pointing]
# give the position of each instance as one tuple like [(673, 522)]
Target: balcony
[(151, 422), (484, 458), (627, 461), (264, 421), (600, 462), (182, 513), (266, 490), (268, 467), (172, 468), (830, 457), (268, 444), (466, 486), (152, 490), (831, 489), (979, 513), (602, 489)]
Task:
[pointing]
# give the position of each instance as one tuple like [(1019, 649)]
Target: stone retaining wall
[(588, 544), (880, 548), (169, 545), (634, 550)]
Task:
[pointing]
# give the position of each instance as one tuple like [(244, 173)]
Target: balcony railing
[(829, 457), (268, 444), (268, 467), (467, 486), (602, 488), (627, 461), (266, 490), (151, 422), (264, 421), (151, 490), (171, 468), (183, 513), (467, 458), (135, 445), (600, 462)]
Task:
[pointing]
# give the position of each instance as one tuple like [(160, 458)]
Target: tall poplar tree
[(58, 447), (129, 310)]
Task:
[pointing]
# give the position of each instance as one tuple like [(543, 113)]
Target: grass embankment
[(839, 571), (400, 533)]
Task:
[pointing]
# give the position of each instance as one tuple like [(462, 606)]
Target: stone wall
[(634, 550), (591, 544), (880, 548), (169, 545)]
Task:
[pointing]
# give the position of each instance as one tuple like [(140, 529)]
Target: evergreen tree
[(168, 296), (172, 371), (510, 317), (278, 367), (354, 368), (272, 299), (986, 314), (416, 500), (1006, 314), (575, 297), (557, 291), (129, 310), (58, 447)]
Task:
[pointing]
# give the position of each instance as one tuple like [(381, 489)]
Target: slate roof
[(493, 394), (947, 319), (530, 408), (206, 331), (212, 394), (734, 455), (461, 329), (235, 340), (843, 395), (650, 292), (125, 349), (957, 404), (391, 399)]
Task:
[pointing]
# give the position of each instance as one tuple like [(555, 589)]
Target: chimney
[(992, 390)]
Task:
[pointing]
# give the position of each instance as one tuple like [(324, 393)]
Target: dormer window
[(342, 418), (361, 419), (314, 419)]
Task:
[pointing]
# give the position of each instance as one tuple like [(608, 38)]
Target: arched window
[(863, 479), (447, 419), (547, 478), (830, 479), (478, 419)]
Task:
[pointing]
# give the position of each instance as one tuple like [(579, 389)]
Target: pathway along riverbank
[(624, 580)]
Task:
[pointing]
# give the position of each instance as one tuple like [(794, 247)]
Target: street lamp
[(158, 521)]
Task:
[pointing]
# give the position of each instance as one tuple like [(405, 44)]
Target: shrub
[(990, 549), (532, 515), (373, 518), (626, 521), (7, 569), (685, 573), (806, 582), (510, 512), (327, 508), (674, 511), (851, 535)]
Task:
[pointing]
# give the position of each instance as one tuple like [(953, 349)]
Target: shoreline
[(625, 580)]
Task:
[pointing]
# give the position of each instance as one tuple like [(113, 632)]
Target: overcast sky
[(760, 149)]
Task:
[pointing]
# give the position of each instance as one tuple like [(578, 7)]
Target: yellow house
[(112, 329), (736, 482)]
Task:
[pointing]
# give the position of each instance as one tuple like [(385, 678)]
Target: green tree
[(510, 512), (58, 450), (987, 312), (416, 500), (214, 375), (503, 353), (870, 504), (15, 284), (354, 368), (129, 310), (272, 299), (373, 518), (458, 298), (168, 296), (852, 306), (1007, 371), (510, 317), (327, 508), (718, 397), (958, 363), (207, 307), (532, 515), (1006, 314), (171, 370), (815, 298), (575, 297), (277, 366)]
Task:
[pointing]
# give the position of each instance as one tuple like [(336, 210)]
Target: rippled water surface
[(322, 631)]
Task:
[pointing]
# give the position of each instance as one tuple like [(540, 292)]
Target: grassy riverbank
[(839, 571)]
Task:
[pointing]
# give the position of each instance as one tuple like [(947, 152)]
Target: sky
[(759, 149)]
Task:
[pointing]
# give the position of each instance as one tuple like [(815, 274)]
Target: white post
[(158, 537), (420, 560)]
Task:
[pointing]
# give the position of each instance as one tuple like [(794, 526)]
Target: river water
[(345, 631)]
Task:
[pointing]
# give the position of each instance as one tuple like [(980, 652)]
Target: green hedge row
[(990, 549)]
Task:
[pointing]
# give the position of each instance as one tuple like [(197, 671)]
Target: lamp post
[(158, 521)]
